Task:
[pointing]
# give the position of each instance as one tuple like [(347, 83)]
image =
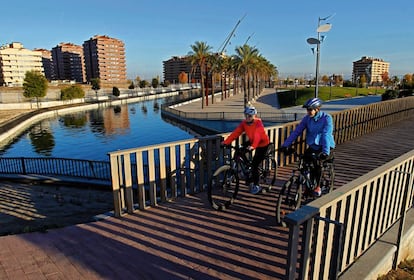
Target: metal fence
[(74, 168)]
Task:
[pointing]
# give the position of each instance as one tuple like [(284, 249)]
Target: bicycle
[(299, 188), (225, 182)]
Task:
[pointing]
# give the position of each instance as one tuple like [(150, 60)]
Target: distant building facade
[(371, 68), (68, 62), (176, 65), (15, 61), (105, 60), (47, 62)]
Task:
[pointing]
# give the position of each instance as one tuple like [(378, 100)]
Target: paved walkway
[(268, 102)]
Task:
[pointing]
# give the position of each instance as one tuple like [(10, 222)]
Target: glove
[(287, 150), (283, 149), (323, 156)]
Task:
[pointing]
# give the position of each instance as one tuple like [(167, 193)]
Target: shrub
[(405, 93), (389, 94), (72, 92), (115, 91)]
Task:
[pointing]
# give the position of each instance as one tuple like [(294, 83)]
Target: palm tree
[(246, 59), (198, 59)]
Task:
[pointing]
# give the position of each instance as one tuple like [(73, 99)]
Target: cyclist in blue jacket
[(319, 135)]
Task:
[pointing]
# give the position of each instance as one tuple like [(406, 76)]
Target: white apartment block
[(15, 61), (371, 68)]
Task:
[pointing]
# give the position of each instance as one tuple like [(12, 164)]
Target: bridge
[(176, 235)]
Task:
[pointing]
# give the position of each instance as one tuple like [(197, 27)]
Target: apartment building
[(15, 61), (105, 59), (68, 62), (371, 68), (47, 62), (176, 65)]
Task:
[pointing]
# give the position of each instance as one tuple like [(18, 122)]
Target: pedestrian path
[(268, 102)]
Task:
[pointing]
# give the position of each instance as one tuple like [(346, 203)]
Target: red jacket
[(255, 132)]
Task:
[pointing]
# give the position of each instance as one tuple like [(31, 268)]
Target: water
[(92, 134)]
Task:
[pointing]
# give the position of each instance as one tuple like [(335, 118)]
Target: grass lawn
[(286, 98)]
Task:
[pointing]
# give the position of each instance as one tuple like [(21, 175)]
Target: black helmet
[(313, 103)]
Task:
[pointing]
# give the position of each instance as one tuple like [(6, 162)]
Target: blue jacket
[(319, 132)]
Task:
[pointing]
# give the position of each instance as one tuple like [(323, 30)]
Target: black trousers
[(311, 157), (259, 156)]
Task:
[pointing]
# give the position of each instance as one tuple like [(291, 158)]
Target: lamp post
[(296, 92), (317, 41), (330, 86)]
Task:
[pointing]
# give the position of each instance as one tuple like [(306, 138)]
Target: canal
[(92, 134)]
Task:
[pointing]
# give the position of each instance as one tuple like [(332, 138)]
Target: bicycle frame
[(300, 186), (225, 181), (240, 162)]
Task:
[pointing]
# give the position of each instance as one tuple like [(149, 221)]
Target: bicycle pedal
[(266, 189)]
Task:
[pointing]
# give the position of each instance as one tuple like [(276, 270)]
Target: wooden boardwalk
[(186, 239)]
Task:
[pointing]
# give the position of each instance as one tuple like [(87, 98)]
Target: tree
[(155, 82), (395, 81), (325, 79), (385, 78), (143, 83), (131, 85), (407, 81), (363, 80), (183, 78), (198, 59), (137, 80), (246, 59), (72, 92), (34, 85), (115, 91), (96, 85)]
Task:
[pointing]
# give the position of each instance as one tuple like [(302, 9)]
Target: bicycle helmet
[(250, 110), (313, 103)]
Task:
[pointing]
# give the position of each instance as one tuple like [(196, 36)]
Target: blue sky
[(154, 31)]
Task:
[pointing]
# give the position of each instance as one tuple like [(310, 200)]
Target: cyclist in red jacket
[(253, 127)]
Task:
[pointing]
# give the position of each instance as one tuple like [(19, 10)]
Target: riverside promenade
[(268, 102), (186, 239)]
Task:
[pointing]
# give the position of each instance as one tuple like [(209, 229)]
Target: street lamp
[(317, 41), (296, 92)]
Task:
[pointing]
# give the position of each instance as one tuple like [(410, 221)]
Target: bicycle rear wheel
[(223, 188), (289, 199), (267, 174)]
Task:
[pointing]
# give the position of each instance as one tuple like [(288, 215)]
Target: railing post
[(23, 166), (402, 216), (337, 247), (303, 215)]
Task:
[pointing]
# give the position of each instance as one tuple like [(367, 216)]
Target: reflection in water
[(96, 121), (92, 134), (42, 139), (156, 106), (74, 120), (117, 109)]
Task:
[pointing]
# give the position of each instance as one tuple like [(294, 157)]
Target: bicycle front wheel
[(289, 199), (223, 188)]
